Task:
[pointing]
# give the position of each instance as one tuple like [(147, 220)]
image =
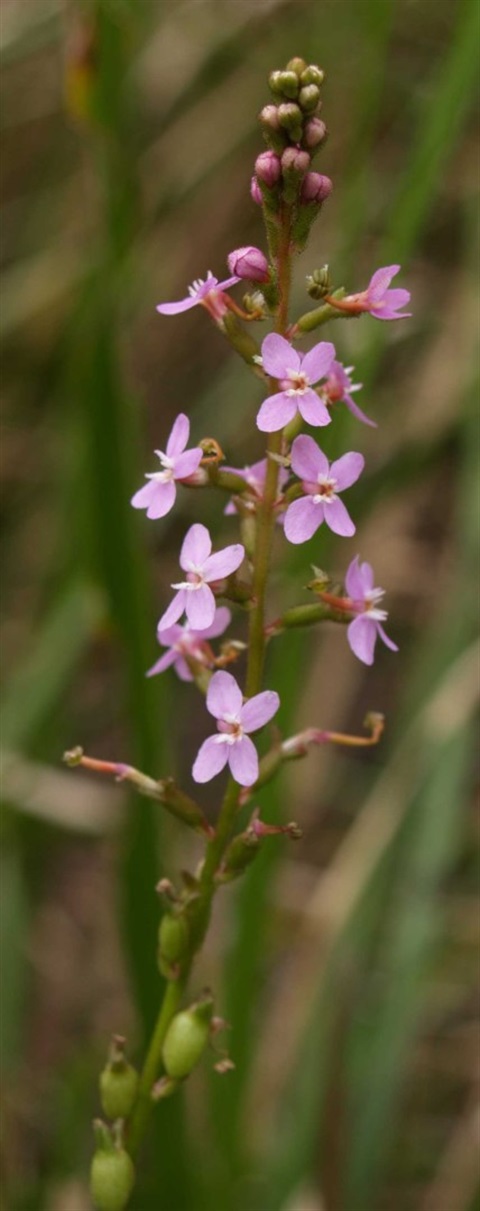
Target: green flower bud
[(318, 283), (308, 98), (290, 118), (289, 85), (118, 1082), (112, 1175), (172, 943), (186, 1039), (312, 75), (297, 65)]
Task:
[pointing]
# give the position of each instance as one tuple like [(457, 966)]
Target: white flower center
[(295, 382), (195, 580), (326, 493), (370, 606), (229, 730)]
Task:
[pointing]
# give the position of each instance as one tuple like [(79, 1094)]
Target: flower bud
[(186, 1039), (268, 168), (118, 1082), (173, 938), (284, 83), (295, 161), (314, 133), (290, 118), (308, 98), (255, 192), (272, 131), (312, 75), (297, 65), (315, 188), (250, 263), (112, 1174), (318, 283)]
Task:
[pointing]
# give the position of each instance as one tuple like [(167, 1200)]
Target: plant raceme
[(294, 483)]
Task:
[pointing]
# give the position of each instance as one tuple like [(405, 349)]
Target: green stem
[(144, 1103)]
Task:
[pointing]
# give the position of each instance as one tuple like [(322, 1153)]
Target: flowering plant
[(295, 484)]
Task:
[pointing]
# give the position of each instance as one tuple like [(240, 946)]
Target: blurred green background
[(346, 965)]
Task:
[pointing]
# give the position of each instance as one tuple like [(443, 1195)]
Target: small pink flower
[(254, 476), (183, 642), (158, 495), (315, 188), (194, 595), (268, 168), (381, 302), (250, 263), (296, 373), (363, 631), (339, 387), (208, 293), (235, 719), (321, 484)]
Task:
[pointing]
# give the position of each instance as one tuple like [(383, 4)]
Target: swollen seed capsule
[(185, 1042), (118, 1090), (173, 937), (112, 1178)]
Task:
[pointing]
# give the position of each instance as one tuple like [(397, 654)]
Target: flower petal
[(302, 519), (362, 635), (200, 607), (229, 282), (179, 436), (347, 469), (338, 518), (220, 623), (164, 663), (224, 696), (174, 611), (276, 412), (387, 641), (380, 282), (143, 498), (187, 463), (196, 547), (175, 308), (278, 356), (308, 460), (243, 761), (356, 411), (163, 499), (259, 710), (354, 583), (313, 410), (317, 361), (224, 562), (182, 670), (211, 758)]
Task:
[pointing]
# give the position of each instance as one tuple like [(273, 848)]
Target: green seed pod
[(312, 75), (297, 65), (308, 98), (173, 936), (239, 855), (118, 1082), (186, 1039), (112, 1178)]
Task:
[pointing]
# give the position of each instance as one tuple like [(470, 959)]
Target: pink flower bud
[(295, 161), (255, 191), (314, 132), (315, 188), (249, 263), (268, 168)]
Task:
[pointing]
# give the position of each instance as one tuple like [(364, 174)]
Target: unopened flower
[(250, 263), (208, 293), (321, 484), (254, 476), (296, 373), (183, 643), (315, 188), (381, 302), (268, 168), (158, 495), (339, 387), (235, 719), (255, 191), (367, 626), (194, 595), (314, 132)]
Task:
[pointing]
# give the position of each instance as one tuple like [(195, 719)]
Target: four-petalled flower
[(362, 633), (235, 719), (183, 643), (321, 484), (296, 374), (382, 303), (194, 595), (158, 495), (339, 388), (207, 293)]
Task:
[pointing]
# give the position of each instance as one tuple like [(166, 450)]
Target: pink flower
[(194, 596), (321, 484), (250, 263), (363, 631), (183, 642), (296, 374), (158, 496), (381, 302), (208, 293), (235, 719), (315, 188), (254, 476), (255, 192), (268, 168), (339, 386)]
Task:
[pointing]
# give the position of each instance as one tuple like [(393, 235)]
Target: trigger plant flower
[(377, 299), (208, 292), (321, 484), (254, 476), (363, 632), (183, 643), (158, 495), (194, 596), (235, 720), (339, 388), (297, 374)]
